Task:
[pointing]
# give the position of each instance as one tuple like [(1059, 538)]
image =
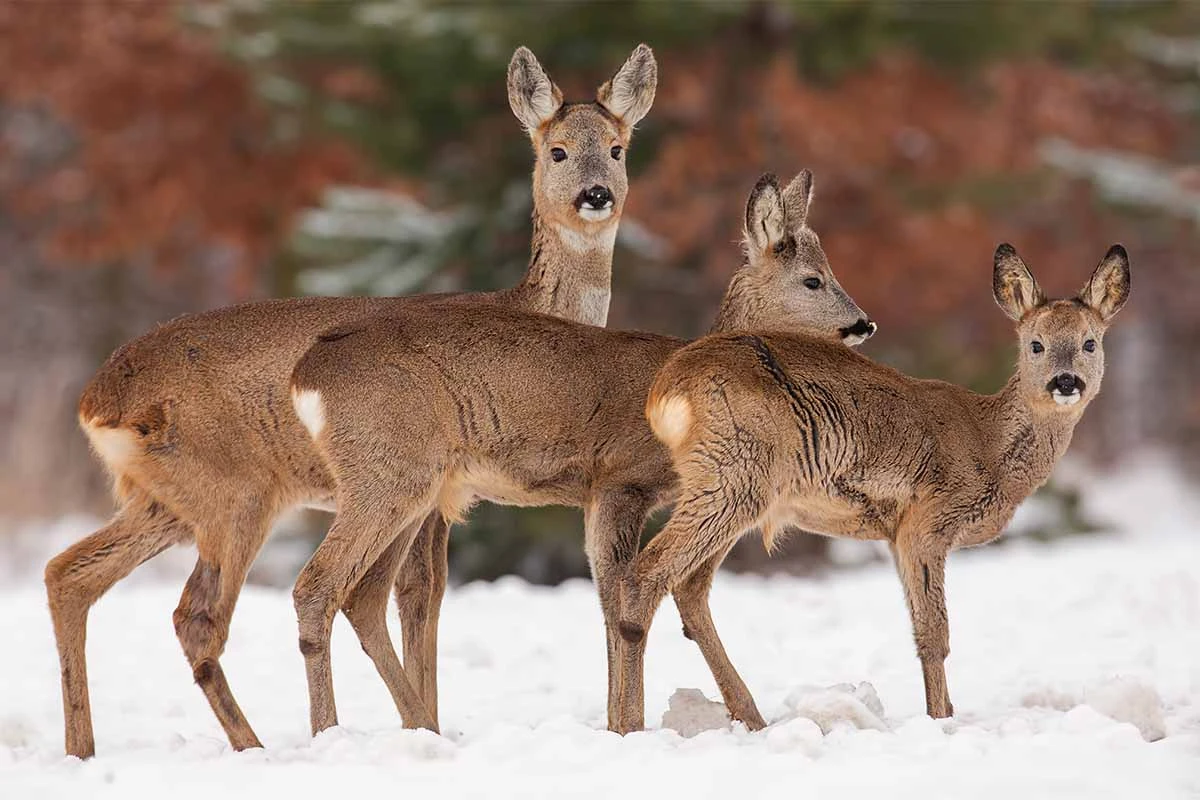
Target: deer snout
[(859, 332), (1066, 388), (595, 203)]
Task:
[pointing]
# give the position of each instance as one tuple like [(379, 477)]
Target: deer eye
[(813, 283), (558, 154), (1090, 345), (1037, 347), (616, 152)]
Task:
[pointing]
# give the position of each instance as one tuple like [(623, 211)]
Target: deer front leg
[(612, 529), (691, 597), (923, 571)]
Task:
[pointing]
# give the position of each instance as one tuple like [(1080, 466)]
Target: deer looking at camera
[(431, 411), (770, 430), (193, 421)]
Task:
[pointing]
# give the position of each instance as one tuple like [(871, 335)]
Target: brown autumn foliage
[(173, 148), (919, 174), (131, 146)]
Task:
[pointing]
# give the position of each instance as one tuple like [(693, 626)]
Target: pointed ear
[(796, 199), (1108, 289), (630, 93), (1013, 286), (532, 95), (766, 218)]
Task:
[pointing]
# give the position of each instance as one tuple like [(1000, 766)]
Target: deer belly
[(830, 516), (480, 480)]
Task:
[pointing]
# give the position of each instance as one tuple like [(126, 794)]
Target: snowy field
[(1075, 673)]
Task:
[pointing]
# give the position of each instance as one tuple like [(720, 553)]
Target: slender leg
[(709, 518), (366, 608), (420, 587), (206, 609), (612, 529), (78, 577), (923, 574), (691, 597), (361, 532), (440, 560)]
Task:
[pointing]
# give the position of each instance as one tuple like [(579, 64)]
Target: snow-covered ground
[(1075, 673)]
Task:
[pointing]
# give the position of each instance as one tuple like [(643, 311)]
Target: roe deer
[(522, 409), (768, 431), (192, 419)]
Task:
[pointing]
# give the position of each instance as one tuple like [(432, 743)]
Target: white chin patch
[(1066, 399), (596, 214), (853, 340)]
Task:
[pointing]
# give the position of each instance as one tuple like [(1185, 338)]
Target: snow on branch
[(1125, 177)]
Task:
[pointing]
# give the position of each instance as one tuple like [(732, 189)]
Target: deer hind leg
[(706, 524), (76, 579), (691, 597), (366, 608), (923, 573), (206, 608), (612, 529), (368, 521), (420, 587)]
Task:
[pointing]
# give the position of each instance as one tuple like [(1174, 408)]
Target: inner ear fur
[(1013, 285)]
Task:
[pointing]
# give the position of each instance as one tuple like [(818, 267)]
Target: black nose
[(1065, 383), (864, 328), (597, 197)]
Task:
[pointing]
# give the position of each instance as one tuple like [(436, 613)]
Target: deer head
[(787, 283), (579, 180), (1061, 359)]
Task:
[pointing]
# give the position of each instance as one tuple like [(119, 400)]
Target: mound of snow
[(1122, 699), (1130, 700), (690, 713), (857, 705), (1039, 636)]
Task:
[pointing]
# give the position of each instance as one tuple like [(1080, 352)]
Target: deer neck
[(741, 307), (569, 273), (1028, 441)]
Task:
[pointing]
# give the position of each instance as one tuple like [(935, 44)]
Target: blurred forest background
[(158, 158)]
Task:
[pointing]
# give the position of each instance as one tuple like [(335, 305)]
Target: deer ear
[(532, 95), (630, 93), (1108, 289), (766, 217), (1013, 286), (797, 197)]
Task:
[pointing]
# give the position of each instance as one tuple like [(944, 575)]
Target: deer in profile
[(769, 430), (428, 411), (192, 419)]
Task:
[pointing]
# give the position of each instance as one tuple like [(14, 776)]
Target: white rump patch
[(310, 409), (671, 420), (115, 446)]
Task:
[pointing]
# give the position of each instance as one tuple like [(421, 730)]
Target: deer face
[(579, 180), (1062, 341), (797, 288)]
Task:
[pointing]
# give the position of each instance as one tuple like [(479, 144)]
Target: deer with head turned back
[(769, 430), (193, 422), (521, 409)]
